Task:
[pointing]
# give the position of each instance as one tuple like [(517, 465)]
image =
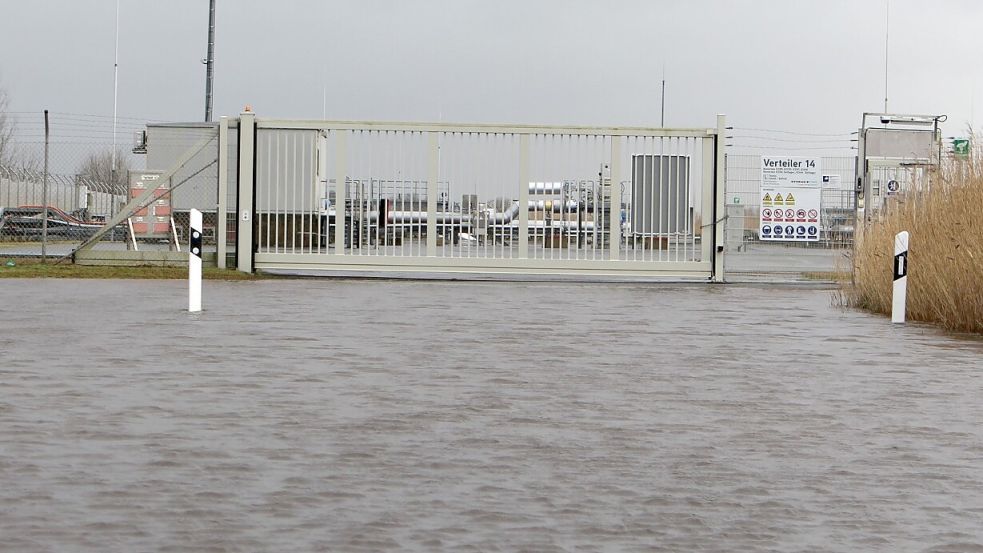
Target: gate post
[(719, 199), (247, 189), (222, 215)]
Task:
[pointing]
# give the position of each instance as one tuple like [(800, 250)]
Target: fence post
[(222, 217), (44, 195), (719, 200), (247, 188)]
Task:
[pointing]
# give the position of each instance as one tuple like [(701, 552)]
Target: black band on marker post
[(900, 265), (196, 243)]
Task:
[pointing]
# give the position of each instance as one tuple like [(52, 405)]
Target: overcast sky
[(801, 66)]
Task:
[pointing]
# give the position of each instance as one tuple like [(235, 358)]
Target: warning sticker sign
[(790, 181)]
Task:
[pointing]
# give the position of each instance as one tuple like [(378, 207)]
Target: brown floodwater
[(340, 415)]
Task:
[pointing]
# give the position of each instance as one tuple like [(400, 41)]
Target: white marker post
[(194, 263), (900, 277)]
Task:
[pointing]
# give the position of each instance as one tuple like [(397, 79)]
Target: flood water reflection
[(303, 415)]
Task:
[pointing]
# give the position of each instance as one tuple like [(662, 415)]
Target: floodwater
[(333, 415)]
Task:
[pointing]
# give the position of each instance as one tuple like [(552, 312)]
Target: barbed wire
[(797, 133), (82, 116), (758, 147)]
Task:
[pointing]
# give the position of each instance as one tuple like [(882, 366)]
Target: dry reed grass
[(945, 222)]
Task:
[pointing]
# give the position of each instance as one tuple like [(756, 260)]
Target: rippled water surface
[(335, 415)]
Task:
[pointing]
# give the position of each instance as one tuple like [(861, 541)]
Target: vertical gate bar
[(274, 191), (380, 223), (314, 202), (420, 158), (614, 243), (659, 191), (524, 196), (320, 169), (289, 177), (721, 194), (641, 197), (672, 157), (305, 218), (564, 212), (432, 191), (223, 191), (549, 172), (301, 207), (691, 246), (267, 138), (367, 192), (706, 204), (483, 154), (494, 163), (456, 171), (309, 203), (651, 197), (399, 203), (341, 169), (646, 200), (247, 188), (448, 165), (294, 158), (365, 200), (375, 169), (283, 179), (272, 141)]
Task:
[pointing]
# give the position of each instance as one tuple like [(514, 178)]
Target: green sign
[(960, 146)]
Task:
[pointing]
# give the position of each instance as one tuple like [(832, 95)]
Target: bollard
[(194, 263), (900, 277)]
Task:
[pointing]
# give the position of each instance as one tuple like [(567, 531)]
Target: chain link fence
[(80, 193), (87, 186), (748, 255)]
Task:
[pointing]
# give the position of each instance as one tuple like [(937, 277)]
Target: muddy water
[(401, 416)]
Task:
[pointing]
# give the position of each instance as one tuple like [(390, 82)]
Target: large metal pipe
[(554, 206), (545, 187), (458, 218), (561, 225), (506, 217)]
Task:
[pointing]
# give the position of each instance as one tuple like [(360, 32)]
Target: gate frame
[(713, 200)]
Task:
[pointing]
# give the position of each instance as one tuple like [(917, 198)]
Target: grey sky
[(804, 66)]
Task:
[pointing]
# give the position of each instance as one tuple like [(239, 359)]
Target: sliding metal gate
[(441, 199)]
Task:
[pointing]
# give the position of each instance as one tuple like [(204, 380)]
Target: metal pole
[(663, 123), (887, 28), (112, 167), (210, 61), (44, 195)]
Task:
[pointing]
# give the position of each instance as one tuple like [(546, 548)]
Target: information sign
[(791, 194)]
